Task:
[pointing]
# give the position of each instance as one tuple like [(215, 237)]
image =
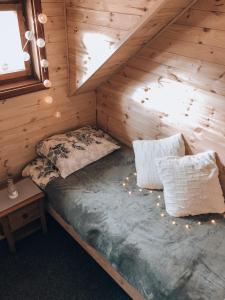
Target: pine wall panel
[(103, 34), (95, 28), (175, 84), (27, 119)]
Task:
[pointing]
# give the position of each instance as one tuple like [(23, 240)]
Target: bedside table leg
[(8, 234), (43, 218)]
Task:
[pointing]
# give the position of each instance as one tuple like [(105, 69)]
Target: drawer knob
[(25, 216)]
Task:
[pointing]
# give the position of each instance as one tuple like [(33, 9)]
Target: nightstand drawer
[(23, 216)]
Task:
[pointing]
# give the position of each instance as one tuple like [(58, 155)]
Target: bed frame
[(100, 259)]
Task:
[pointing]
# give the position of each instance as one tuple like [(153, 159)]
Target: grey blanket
[(161, 259)]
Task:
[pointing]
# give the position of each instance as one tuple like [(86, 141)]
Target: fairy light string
[(40, 43), (132, 189)]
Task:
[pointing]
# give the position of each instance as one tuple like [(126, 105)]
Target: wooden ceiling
[(103, 35)]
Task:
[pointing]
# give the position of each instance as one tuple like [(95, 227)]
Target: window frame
[(31, 79)]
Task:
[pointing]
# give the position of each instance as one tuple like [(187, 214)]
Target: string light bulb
[(26, 56), (44, 63), (187, 226), (173, 222), (140, 190), (129, 192), (40, 43), (162, 215), (58, 114), (47, 83), (42, 18), (49, 99), (124, 184), (157, 204), (199, 223), (29, 35), (213, 222)]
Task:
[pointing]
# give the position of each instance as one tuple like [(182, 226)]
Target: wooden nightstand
[(22, 216)]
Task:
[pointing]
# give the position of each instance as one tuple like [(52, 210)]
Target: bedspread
[(159, 255)]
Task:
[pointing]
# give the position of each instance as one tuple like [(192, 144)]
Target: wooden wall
[(104, 34), (159, 14), (175, 84), (27, 119), (95, 28)]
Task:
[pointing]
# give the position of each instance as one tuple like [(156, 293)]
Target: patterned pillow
[(41, 171), (74, 150)]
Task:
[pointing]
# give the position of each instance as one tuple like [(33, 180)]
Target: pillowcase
[(41, 171), (146, 153), (76, 149), (191, 185)]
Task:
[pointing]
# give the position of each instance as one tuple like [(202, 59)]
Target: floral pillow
[(76, 149), (41, 171)]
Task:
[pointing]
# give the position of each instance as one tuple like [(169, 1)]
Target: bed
[(148, 253)]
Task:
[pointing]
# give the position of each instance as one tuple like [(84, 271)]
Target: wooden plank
[(174, 84), (159, 15), (210, 5)]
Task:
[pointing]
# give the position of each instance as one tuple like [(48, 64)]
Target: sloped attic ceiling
[(103, 35)]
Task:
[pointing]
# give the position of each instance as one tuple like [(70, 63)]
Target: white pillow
[(191, 184), (146, 153), (76, 149)]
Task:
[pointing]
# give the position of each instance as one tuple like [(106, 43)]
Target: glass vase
[(12, 191)]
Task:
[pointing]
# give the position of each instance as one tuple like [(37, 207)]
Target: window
[(20, 53)]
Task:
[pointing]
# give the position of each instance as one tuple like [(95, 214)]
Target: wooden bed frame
[(100, 259)]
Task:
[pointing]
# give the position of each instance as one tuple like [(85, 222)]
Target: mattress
[(162, 257)]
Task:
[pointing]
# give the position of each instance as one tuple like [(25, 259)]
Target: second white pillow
[(191, 185), (146, 153)]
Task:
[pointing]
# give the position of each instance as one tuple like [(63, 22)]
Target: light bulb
[(173, 222), (129, 192), (187, 226), (159, 197), (26, 56), (44, 63), (29, 35), (58, 114), (42, 18), (140, 190), (199, 223), (135, 174), (49, 99), (150, 192), (157, 204), (213, 221), (124, 184), (127, 178), (40, 43), (47, 83), (162, 215)]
